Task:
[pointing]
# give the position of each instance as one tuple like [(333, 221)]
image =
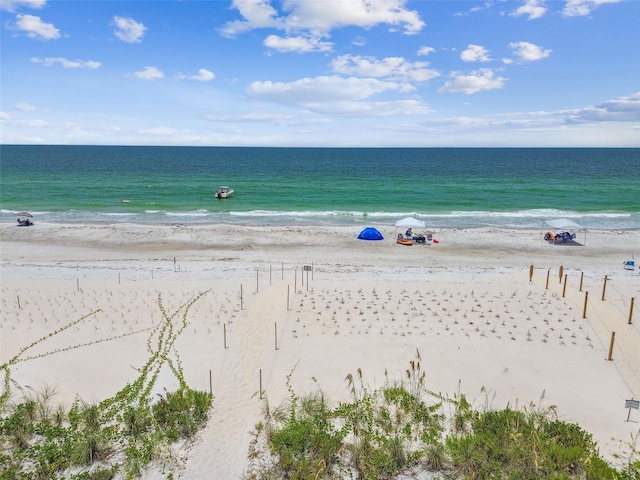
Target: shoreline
[(466, 304)]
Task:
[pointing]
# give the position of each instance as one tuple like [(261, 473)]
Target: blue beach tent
[(370, 233)]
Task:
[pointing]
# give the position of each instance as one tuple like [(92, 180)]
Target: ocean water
[(445, 187)]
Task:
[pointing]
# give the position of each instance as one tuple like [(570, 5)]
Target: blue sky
[(371, 73)]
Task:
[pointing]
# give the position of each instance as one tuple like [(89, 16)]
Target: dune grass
[(403, 428)]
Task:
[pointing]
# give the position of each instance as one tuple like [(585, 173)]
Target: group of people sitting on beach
[(560, 237), (24, 222), (418, 238)]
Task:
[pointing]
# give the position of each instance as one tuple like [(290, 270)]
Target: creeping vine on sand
[(128, 422)]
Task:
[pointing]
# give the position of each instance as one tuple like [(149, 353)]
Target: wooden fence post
[(604, 287), (530, 272), (564, 287), (546, 287), (613, 337), (581, 278), (584, 309), (631, 309)]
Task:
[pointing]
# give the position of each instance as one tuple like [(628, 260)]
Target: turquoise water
[(448, 187)]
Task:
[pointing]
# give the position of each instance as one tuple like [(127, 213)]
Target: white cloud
[(149, 73), (256, 14), (36, 28), (528, 52), (623, 109), (424, 51), (337, 96), (297, 44), (322, 17), (4, 115), (486, 6), (579, 8), (475, 53), (128, 30), (396, 68), (25, 107), (360, 42), (36, 123), (12, 5), (476, 82), (371, 109), (531, 8), (50, 61), (250, 118), (319, 89), (203, 75)]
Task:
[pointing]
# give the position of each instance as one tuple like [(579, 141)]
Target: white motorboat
[(224, 192)]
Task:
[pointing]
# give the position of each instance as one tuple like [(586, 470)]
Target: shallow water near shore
[(479, 187)]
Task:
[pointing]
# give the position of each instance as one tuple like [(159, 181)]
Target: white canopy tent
[(410, 222), (566, 225)]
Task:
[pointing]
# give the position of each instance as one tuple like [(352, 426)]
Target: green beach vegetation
[(381, 433), (119, 436), (402, 428)]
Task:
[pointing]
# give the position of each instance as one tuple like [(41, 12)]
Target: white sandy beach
[(466, 304)]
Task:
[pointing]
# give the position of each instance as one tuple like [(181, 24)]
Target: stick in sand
[(560, 272)]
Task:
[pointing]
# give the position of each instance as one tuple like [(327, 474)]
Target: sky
[(321, 73)]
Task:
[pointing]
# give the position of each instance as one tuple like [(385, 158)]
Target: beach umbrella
[(24, 214)]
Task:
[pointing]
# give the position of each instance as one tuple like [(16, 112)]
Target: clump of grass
[(378, 434)]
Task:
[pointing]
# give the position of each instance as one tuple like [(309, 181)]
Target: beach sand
[(466, 304)]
